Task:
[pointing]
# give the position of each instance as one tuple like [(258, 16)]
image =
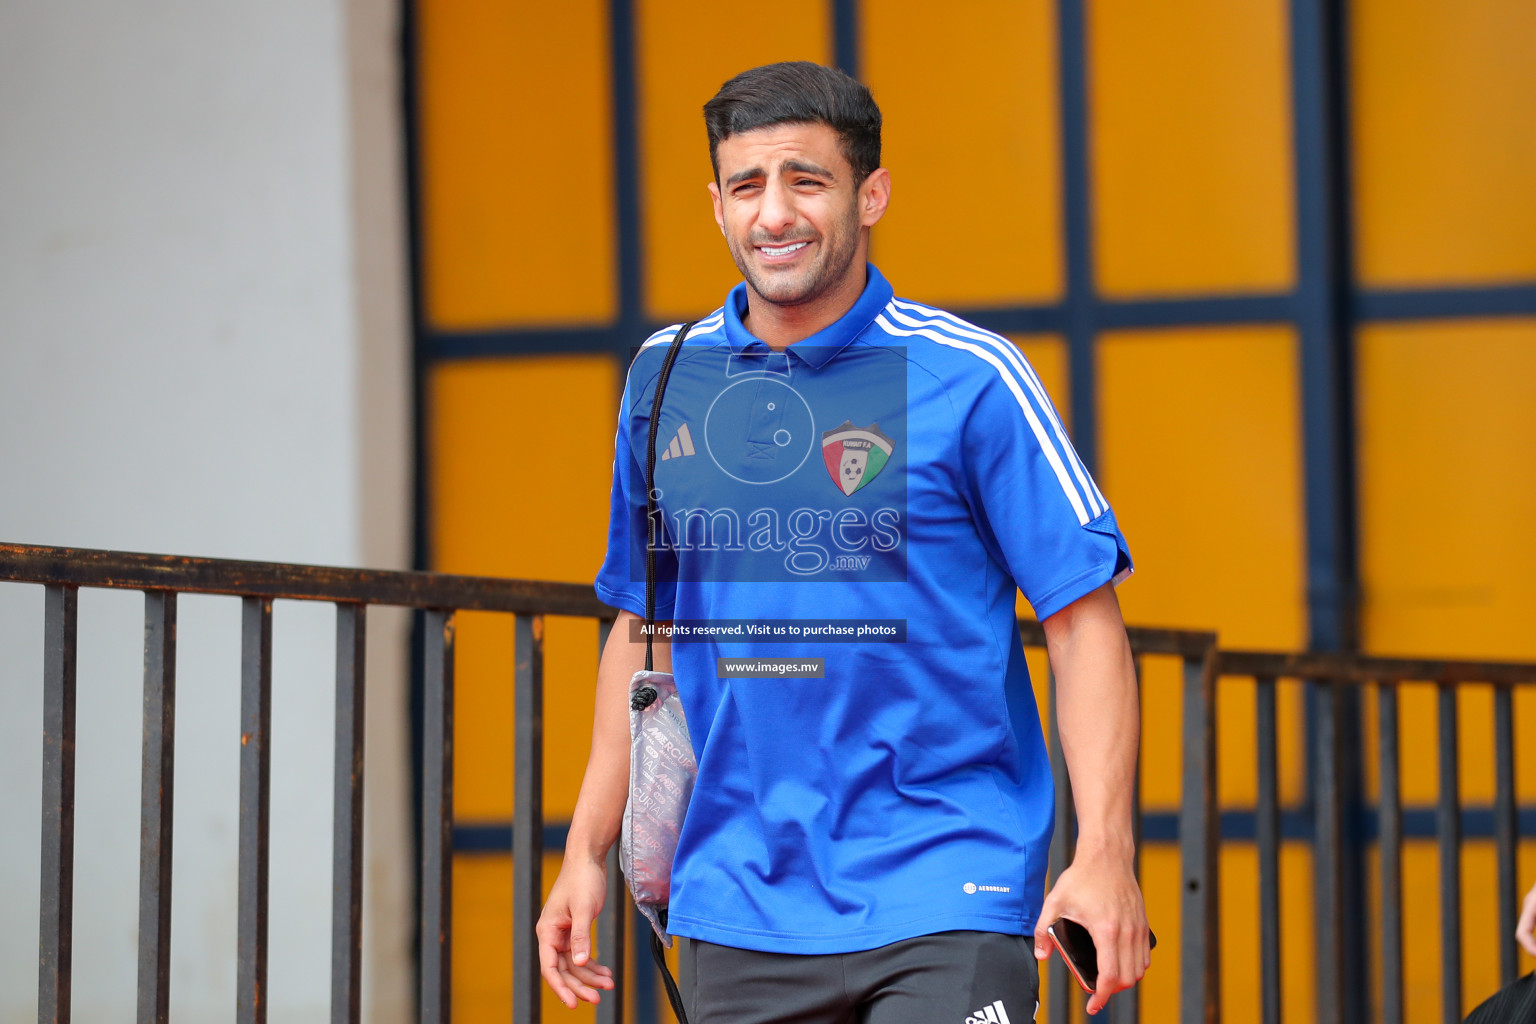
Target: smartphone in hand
[(1076, 947)]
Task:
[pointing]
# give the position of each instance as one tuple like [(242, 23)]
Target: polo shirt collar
[(818, 349)]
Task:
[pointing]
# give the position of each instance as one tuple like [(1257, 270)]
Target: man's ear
[(874, 197), (714, 197)]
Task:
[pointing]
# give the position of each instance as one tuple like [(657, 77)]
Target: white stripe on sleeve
[(956, 326), (1051, 454), (1011, 353), (708, 325)]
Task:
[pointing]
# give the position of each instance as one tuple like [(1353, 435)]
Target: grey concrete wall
[(203, 350)]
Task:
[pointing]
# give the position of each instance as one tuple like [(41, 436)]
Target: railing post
[(255, 800), (1506, 829), (56, 928), (156, 789), (1328, 856), (347, 817), (1063, 842), (527, 817), (1267, 829), (437, 819), (1389, 836), (610, 923), (1125, 1007), (611, 940), (1129, 1010), (1199, 847), (1448, 827)]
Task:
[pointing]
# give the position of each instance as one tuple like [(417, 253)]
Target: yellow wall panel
[(521, 452), (482, 937), (1161, 885), (1189, 122), (1200, 457), (1447, 477), (685, 53), (521, 456), (483, 718), (484, 722), (1162, 717), (973, 144), (1445, 140), (1447, 470), (516, 157)]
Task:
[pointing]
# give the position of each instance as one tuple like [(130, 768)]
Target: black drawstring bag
[(662, 767)]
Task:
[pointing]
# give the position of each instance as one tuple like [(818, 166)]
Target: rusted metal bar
[(1350, 668), (156, 786), (437, 820), (1448, 829), (527, 817), (1328, 856), (610, 940), (1125, 1007), (1267, 827), (1506, 828), (84, 567), (610, 923), (1063, 841), (255, 810), (61, 606), (347, 816), (1199, 847), (1389, 816)]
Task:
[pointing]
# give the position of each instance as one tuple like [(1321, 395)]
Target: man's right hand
[(565, 932)]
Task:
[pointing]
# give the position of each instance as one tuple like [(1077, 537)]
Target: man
[(869, 845)]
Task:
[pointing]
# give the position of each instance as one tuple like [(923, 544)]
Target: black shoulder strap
[(653, 526)]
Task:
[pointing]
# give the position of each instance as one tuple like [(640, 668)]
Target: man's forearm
[(605, 785), (1098, 715)]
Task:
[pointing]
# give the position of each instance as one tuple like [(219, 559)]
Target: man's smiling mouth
[(782, 250)]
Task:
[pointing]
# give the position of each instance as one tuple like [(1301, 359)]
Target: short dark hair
[(798, 92)]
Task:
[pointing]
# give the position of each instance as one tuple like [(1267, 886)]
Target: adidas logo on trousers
[(994, 1014)]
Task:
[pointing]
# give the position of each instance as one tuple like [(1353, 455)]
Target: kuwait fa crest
[(855, 455)]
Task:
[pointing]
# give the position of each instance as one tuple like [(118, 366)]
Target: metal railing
[(1329, 677), (64, 571)]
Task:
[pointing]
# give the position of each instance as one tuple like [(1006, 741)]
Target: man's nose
[(777, 213)]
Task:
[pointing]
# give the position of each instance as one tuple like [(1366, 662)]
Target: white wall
[(203, 350)]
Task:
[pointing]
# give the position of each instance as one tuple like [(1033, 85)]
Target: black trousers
[(947, 978)]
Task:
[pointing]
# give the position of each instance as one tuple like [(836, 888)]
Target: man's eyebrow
[(794, 166), (740, 176), (803, 167)]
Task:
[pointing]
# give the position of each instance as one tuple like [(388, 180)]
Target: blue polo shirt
[(900, 465)]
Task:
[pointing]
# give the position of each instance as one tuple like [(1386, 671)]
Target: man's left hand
[(1099, 892)]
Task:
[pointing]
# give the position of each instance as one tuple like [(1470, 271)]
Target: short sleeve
[(621, 579), (1039, 512)]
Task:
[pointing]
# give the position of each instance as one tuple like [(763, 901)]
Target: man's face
[(792, 215)]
